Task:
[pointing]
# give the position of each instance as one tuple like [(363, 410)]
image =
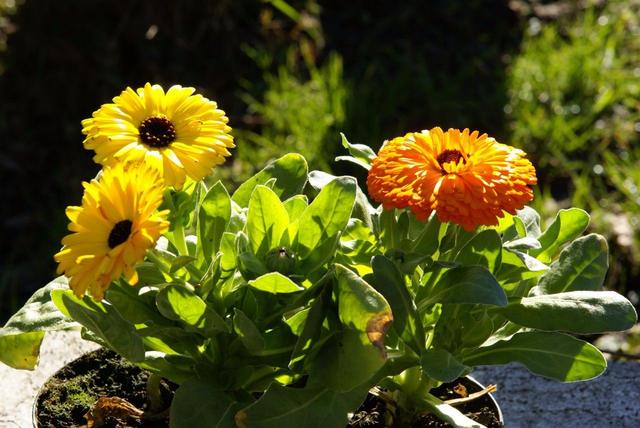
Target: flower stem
[(446, 412), (154, 396), (178, 239), (414, 383)]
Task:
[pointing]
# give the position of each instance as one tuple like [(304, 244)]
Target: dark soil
[(71, 392), (373, 412)]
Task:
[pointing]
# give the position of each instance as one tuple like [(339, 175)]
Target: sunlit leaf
[(583, 312), (582, 265), (213, 216), (568, 225), (267, 219), (549, 354), (275, 282), (290, 172)]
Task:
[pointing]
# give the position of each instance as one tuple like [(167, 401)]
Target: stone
[(526, 400), (19, 387)]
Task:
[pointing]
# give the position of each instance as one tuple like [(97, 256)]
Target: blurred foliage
[(296, 115), (574, 94), (621, 345), (7, 9)]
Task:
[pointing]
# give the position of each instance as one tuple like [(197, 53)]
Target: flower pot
[(67, 396), (378, 409)]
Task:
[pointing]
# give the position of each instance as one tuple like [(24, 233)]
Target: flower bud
[(281, 260)]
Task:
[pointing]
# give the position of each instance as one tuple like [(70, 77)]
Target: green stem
[(387, 224), (446, 412), (154, 396), (259, 379), (303, 298), (430, 337), (414, 383), (425, 290), (178, 239)]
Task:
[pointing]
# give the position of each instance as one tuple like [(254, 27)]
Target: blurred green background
[(558, 79)]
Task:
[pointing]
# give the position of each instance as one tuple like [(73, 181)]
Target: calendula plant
[(284, 303)]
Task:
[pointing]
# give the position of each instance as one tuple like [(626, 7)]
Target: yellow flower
[(112, 230), (466, 178), (181, 134)]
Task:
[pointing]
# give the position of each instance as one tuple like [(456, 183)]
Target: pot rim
[(34, 407), (493, 399)]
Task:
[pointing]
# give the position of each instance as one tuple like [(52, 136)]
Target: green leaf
[(549, 354), (40, 313), (103, 320), (582, 265), (327, 215), (361, 307), (523, 244), (21, 351), (428, 240), (176, 368), (477, 326), (267, 219), (313, 319), (149, 273), (324, 252), (353, 160), (567, 225), (275, 282), (195, 403), (583, 312), (362, 209), (22, 335), (519, 265), (250, 266), (290, 172), (171, 339), (346, 361), (361, 154), (247, 332), (313, 406), (466, 284), (296, 205), (531, 222), (180, 204), (179, 262), (178, 303), (228, 250), (213, 216), (484, 249), (388, 280), (441, 365), (447, 413), (135, 307)]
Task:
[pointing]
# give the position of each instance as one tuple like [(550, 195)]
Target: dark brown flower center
[(157, 131), (450, 156), (120, 233)]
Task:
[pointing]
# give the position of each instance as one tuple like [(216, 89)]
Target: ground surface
[(526, 401), (18, 388), (612, 400)]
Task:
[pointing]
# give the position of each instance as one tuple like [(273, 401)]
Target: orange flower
[(466, 178)]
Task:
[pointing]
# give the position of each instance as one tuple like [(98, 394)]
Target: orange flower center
[(120, 233), (450, 156), (157, 131)]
